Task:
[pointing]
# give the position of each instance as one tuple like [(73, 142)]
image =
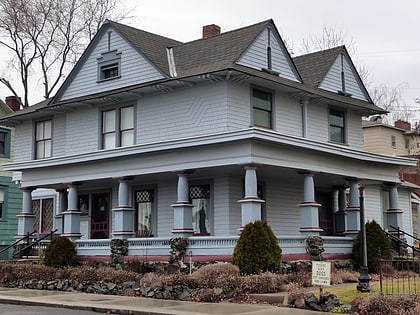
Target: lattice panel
[(200, 192)]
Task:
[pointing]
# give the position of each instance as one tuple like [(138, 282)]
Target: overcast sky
[(385, 32)]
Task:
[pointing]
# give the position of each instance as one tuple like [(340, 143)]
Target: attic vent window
[(109, 66)]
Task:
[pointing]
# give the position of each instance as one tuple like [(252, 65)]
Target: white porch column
[(309, 216), (183, 208), (394, 213), (71, 216), (340, 209), (353, 210), (62, 207), (123, 213), (250, 203), (26, 217)]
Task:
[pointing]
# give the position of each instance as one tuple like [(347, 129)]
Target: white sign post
[(321, 274)]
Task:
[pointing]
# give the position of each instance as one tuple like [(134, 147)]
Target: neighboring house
[(398, 140), (150, 138), (10, 195)]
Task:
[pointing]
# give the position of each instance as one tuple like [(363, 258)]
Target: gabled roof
[(313, 67), (217, 52), (152, 46)]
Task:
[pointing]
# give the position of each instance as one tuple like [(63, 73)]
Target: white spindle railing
[(207, 245)]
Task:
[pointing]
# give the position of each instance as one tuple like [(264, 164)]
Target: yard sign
[(321, 273)]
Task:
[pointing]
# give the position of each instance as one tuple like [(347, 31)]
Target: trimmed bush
[(61, 252), (257, 249), (377, 243)]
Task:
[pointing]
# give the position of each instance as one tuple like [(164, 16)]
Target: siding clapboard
[(256, 56), (135, 69)]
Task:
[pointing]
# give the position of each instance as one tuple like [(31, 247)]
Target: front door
[(326, 213), (99, 226)]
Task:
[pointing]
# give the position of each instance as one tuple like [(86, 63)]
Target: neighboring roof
[(216, 52), (313, 67), (150, 45), (4, 109)]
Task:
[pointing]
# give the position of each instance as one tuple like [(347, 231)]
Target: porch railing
[(206, 245)]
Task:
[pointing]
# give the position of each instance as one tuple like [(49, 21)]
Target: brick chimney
[(13, 102), (211, 30), (402, 125)]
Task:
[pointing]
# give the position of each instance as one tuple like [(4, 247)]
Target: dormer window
[(109, 66), (109, 71)]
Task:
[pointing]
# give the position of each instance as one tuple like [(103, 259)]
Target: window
[(145, 201), (43, 211), (336, 125), (2, 213), (393, 141), (4, 142), (109, 65), (262, 108), (43, 139), (200, 198), (118, 127)]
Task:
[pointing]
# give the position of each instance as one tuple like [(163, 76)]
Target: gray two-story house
[(150, 138)]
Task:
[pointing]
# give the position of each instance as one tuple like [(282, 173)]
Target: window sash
[(337, 126), (118, 127), (262, 108), (43, 139)]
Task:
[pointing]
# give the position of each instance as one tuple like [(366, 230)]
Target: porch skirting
[(208, 248)]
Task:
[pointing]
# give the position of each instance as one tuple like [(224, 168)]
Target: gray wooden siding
[(59, 135), (288, 115), (236, 193), (317, 128), (23, 149), (221, 212), (332, 81), (197, 111), (135, 69), (283, 213), (373, 204), (82, 131), (166, 191), (256, 56)]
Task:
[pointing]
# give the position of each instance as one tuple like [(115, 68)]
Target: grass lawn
[(347, 292)]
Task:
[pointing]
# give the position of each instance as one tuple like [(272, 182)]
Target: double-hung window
[(118, 127), (4, 142), (336, 119), (262, 108), (43, 139)]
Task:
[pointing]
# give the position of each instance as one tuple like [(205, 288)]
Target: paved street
[(11, 309)]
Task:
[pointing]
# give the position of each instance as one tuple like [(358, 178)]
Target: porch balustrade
[(201, 245)]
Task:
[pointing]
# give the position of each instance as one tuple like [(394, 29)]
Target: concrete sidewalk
[(113, 304)]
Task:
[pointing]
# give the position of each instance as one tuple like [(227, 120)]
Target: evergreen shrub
[(378, 246), (61, 252), (257, 249)]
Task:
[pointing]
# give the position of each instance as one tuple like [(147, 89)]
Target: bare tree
[(48, 36), (388, 98)]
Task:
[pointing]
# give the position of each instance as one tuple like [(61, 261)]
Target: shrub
[(391, 305), (377, 243), (257, 249), (61, 252)]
